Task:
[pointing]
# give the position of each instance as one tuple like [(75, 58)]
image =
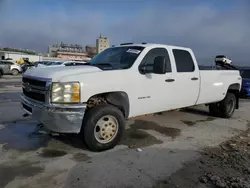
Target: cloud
[(207, 29)]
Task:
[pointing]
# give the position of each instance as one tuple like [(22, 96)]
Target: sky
[(209, 27)]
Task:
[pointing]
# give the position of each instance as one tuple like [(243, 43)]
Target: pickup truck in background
[(122, 82), (245, 89)]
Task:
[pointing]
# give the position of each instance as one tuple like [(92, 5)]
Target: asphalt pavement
[(10, 88), (152, 149)]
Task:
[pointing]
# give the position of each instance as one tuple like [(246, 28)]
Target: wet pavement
[(30, 157), (22, 137)]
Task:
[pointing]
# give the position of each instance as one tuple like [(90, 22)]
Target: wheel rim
[(14, 72), (106, 129), (230, 106)]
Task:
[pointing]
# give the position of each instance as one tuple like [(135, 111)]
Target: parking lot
[(152, 149)]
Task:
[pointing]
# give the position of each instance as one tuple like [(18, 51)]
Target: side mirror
[(160, 65), (144, 69)]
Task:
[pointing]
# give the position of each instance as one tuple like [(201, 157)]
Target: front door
[(154, 92)]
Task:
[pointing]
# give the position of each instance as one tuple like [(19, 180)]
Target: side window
[(9, 63), (149, 58), (5, 62), (184, 61)]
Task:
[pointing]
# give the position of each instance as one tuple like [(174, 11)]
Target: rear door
[(187, 78)]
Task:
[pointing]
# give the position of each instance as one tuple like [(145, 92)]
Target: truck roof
[(152, 45)]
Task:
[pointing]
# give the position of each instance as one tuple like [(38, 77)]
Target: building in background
[(91, 51), (72, 55), (19, 56), (67, 51), (102, 43), (52, 50)]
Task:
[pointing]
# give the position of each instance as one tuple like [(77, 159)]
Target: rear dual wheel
[(103, 127), (225, 108)]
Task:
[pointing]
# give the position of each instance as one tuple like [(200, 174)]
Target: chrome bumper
[(61, 119)]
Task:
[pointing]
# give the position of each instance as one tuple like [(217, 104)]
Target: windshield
[(116, 58), (245, 73)]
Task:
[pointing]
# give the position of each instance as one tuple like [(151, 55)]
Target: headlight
[(65, 92)]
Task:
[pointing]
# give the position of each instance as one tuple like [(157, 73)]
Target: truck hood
[(55, 73)]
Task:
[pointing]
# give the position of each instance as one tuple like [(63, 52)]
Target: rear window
[(245, 74), (184, 61)]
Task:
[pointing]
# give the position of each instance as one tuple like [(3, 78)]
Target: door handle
[(169, 80), (194, 78)]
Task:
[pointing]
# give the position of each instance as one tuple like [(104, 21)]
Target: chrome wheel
[(106, 129)]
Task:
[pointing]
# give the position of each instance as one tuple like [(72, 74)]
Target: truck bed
[(215, 83)]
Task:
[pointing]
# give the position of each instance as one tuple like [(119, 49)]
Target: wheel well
[(235, 89), (119, 99)]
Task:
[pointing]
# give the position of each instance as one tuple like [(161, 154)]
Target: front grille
[(35, 89), (34, 82), (33, 95)]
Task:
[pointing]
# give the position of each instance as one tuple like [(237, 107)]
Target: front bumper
[(61, 119)]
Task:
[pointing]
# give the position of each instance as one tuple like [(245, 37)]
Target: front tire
[(1, 74), (103, 127)]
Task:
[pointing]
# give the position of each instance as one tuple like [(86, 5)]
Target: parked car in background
[(14, 67), (4, 68), (59, 64), (41, 63), (67, 63), (52, 63), (245, 89), (223, 59), (26, 65)]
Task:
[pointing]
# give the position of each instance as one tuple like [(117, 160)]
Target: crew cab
[(122, 82)]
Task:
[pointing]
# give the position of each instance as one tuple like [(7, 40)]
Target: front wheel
[(103, 127)]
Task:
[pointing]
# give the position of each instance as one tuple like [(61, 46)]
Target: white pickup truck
[(123, 82)]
